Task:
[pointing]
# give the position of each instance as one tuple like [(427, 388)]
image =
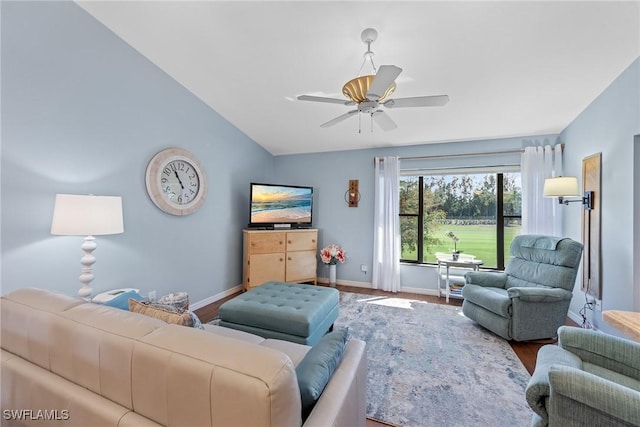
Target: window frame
[(500, 216)]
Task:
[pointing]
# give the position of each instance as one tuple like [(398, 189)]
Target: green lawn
[(478, 240)]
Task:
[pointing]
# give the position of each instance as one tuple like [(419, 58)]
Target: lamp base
[(87, 260), (85, 292)]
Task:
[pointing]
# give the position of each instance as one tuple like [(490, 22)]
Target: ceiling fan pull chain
[(359, 123), (371, 122)]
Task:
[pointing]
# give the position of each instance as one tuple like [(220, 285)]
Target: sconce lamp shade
[(82, 215), (562, 186)]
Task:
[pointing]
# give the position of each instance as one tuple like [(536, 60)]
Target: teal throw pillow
[(315, 369), (122, 300)]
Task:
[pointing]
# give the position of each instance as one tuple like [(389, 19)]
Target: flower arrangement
[(331, 254), (455, 241)]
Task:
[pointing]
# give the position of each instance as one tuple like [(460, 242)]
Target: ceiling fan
[(368, 92)]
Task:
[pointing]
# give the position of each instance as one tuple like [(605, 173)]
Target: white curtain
[(386, 235), (540, 215)]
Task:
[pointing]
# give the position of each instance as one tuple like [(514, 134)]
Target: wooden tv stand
[(280, 255)]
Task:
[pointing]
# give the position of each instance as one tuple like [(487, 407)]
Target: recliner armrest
[(539, 294), (538, 389), (608, 351), (619, 402), (492, 279)]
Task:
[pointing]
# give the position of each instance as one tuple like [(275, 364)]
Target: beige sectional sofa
[(84, 364)]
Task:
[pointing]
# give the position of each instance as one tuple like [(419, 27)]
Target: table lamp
[(89, 216)]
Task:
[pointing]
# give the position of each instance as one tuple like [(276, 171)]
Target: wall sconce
[(79, 215), (567, 186), (352, 196)]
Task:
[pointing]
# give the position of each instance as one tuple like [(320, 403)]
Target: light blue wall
[(83, 112), (352, 228), (608, 126)]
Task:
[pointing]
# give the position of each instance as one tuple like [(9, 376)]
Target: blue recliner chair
[(589, 379), (530, 299)]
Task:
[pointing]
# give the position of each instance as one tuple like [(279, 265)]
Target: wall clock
[(176, 182)]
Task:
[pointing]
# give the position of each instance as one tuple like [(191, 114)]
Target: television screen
[(281, 204)]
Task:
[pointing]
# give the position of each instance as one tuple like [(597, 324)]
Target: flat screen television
[(275, 206)]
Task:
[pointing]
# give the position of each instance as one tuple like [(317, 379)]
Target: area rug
[(429, 365)]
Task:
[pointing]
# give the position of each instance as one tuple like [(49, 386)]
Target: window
[(482, 209)]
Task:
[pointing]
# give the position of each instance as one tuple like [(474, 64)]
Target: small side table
[(447, 263), (626, 321)]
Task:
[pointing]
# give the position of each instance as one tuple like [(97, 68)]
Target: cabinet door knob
[(289, 258), (313, 240), (281, 259)]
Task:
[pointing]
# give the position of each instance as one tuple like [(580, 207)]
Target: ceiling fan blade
[(384, 121), (385, 76), (323, 99), (338, 119), (418, 101)]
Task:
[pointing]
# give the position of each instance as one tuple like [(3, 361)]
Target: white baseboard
[(578, 319), (216, 297), (421, 291), (325, 281), (367, 285), (575, 317)]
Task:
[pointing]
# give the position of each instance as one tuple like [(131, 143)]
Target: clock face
[(176, 182), (180, 182)]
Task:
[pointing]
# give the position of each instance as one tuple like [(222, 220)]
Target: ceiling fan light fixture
[(356, 89), (372, 89)]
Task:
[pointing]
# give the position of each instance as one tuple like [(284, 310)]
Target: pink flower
[(330, 254), (326, 256)]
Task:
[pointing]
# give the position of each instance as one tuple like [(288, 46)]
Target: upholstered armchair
[(588, 379), (530, 299)]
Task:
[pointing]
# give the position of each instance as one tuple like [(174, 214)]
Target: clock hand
[(176, 172)]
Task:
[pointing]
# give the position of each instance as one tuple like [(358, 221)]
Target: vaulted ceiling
[(510, 68)]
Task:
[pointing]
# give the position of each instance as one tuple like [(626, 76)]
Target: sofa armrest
[(607, 351), (492, 279), (613, 401), (539, 294), (343, 401)]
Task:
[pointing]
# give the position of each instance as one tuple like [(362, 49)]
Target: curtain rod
[(441, 156), (445, 156)]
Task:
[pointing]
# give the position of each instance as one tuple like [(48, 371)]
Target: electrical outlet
[(363, 268), (599, 304)]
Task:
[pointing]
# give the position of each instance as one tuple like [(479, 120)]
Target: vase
[(332, 275), (455, 255)]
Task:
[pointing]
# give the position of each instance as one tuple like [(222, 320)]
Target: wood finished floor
[(526, 351)]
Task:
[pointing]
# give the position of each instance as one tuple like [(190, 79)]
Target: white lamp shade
[(81, 215), (562, 186)]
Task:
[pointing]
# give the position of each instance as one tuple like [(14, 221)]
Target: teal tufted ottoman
[(286, 311)]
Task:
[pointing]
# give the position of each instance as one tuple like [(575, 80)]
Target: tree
[(409, 224), (433, 216)]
